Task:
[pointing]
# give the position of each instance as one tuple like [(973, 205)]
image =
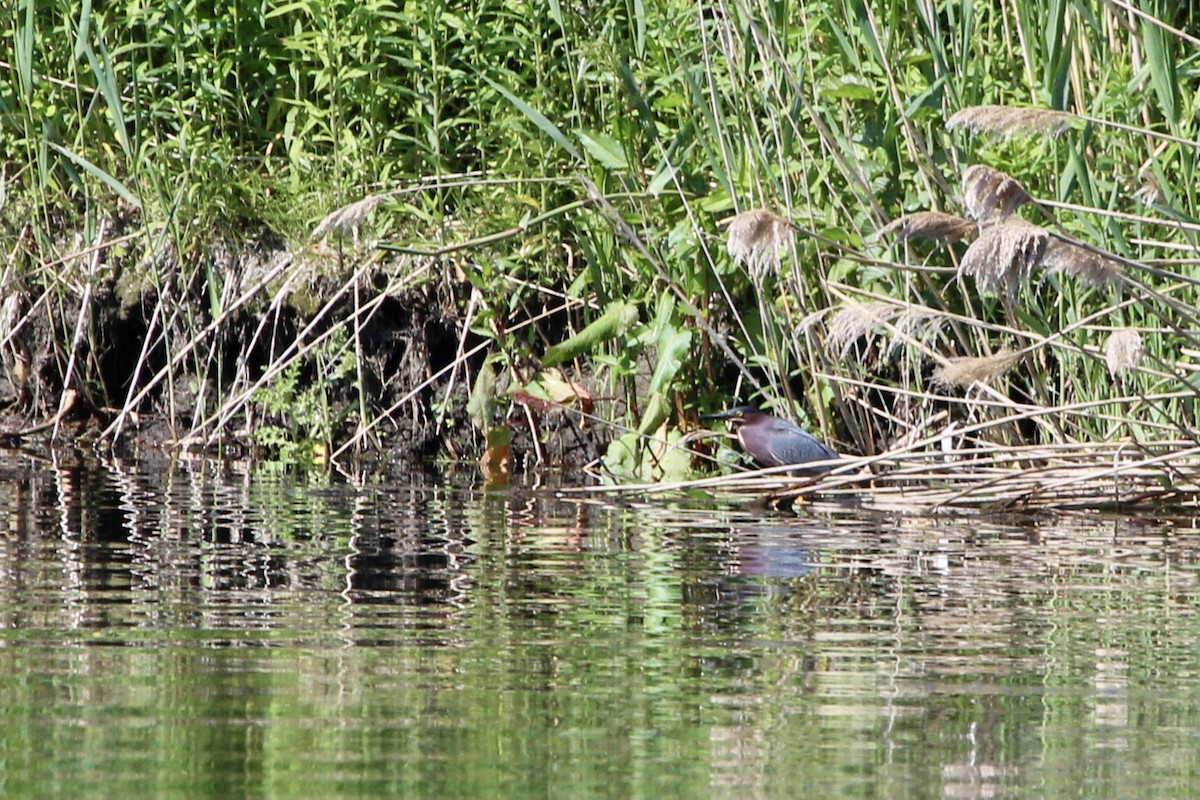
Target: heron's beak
[(722, 415)]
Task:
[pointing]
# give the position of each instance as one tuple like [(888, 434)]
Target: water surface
[(210, 629)]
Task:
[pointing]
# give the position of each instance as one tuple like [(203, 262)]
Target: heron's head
[(737, 416)]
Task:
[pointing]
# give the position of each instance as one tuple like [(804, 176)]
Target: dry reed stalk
[(1004, 255), (1008, 121), (1124, 351), (935, 225), (1079, 263), (959, 373), (990, 195), (132, 401), (756, 239), (1062, 476), (300, 347)]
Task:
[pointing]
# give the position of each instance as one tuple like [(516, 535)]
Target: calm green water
[(200, 630)]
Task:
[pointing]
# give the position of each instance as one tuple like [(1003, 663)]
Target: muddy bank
[(252, 348)]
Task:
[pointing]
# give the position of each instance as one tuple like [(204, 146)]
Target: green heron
[(771, 441)]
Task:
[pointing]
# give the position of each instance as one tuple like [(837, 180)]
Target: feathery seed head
[(1004, 255), (942, 228), (756, 238), (1080, 263), (990, 195), (964, 371), (1008, 121), (855, 320), (348, 219), (1124, 351)]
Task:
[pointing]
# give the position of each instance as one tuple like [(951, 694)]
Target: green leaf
[(605, 149), (849, 88), (622, 457), (673, 346), (615, 321), (481, 405), (103, 176), (537, 118), (656, 413), (1160, 56)]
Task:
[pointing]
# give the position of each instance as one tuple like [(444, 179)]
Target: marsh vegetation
[(331, 230)]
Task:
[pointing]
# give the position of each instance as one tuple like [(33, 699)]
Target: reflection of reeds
[(1004, 255), (990, 195), (935, 225), (964, 371), (756, 238), (1007, 121), (1124, 351)]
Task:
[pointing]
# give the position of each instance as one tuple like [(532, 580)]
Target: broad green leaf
[(657, 411), (673, 347), (604, 149), (618, 318), (480, 407)]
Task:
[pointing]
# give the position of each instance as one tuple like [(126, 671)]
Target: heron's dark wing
[(788, 443)]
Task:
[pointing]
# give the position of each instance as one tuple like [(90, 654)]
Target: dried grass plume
[(1080, 263), (941, 228), (990, 195), (1008, 121), (1004, 255), (964, 371), (1124, 351), (348, 219), (855, 320), (756, 238)]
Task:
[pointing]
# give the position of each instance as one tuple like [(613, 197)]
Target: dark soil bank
[(259, 351)]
